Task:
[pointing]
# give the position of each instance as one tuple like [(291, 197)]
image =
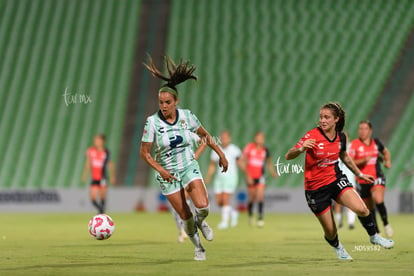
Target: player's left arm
[(387, 158), (354, 169), (271, 167), (200, 149), (112, 176), (209, 141)]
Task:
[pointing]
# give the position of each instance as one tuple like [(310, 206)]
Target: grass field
[(52, 244)]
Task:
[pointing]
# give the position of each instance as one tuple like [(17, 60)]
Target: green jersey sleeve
[(194, 121), (149, 131)]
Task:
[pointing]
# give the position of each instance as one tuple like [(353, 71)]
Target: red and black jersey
[(256, 160), (360, 150), (321, 162), (98, 162)]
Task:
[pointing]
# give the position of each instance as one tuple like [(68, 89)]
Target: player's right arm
[(145, 153), (86, 169), (243, 162), (210, 172), (296, 151)]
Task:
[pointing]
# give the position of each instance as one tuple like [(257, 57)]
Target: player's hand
[(223, 163), (167, 176), (309, 144), (83, 178), (207, 180), (387, 164), (368, 178)]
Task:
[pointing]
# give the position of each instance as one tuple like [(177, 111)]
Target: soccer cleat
[(388, 230), (386, 243), (199, 254), (234, 219), (222, 226), (260, 223), (342, 253), (207, 231), (182, 236)]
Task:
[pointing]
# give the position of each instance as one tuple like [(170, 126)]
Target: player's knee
[(362, 212)]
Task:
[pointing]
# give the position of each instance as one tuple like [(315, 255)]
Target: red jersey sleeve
[(307, 136)]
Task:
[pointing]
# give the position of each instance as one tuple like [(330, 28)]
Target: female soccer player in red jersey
[(256, 156), (324, 181), (365, 151), (97, 160)]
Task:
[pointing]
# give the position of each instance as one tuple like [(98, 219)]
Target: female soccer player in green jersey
[(172, 131)]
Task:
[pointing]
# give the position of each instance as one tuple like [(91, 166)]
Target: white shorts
[(225, 183)]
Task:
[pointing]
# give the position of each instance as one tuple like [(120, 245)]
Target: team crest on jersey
[(183, 124)]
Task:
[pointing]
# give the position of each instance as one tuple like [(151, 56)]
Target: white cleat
[(342, 253), (260, 223), (388, 230), (199, 254), (181, 237), (206, 231), (386, 243), (222, 226), (234, 218)]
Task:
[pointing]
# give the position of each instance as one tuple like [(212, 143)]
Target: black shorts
[(364, 190), (320, 200), (101, 182), (258, 182)]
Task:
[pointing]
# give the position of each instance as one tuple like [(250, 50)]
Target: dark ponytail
[(338, 112), (176, 73)]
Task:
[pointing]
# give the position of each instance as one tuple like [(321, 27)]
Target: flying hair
[(176, 73)]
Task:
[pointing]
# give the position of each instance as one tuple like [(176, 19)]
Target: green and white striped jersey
[(173, 141)]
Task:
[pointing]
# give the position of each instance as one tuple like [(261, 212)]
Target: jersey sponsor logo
[(161, 130), (183, 124), (175, 141), (321, 146)]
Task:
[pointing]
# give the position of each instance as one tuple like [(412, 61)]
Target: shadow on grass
[(284, 260), (94, 264)]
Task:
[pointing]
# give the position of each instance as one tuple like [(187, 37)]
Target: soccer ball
[(101, 227)]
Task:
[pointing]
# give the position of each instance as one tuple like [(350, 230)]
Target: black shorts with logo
[(320, 200), (100, 183)]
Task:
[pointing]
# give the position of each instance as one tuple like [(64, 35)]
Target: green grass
[(59, 244)]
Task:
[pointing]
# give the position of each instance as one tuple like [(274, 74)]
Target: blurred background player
[(324, 182), (171, 130), (255, 157), (366, 152), (225, 183), (97, 160), (339, 209)]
